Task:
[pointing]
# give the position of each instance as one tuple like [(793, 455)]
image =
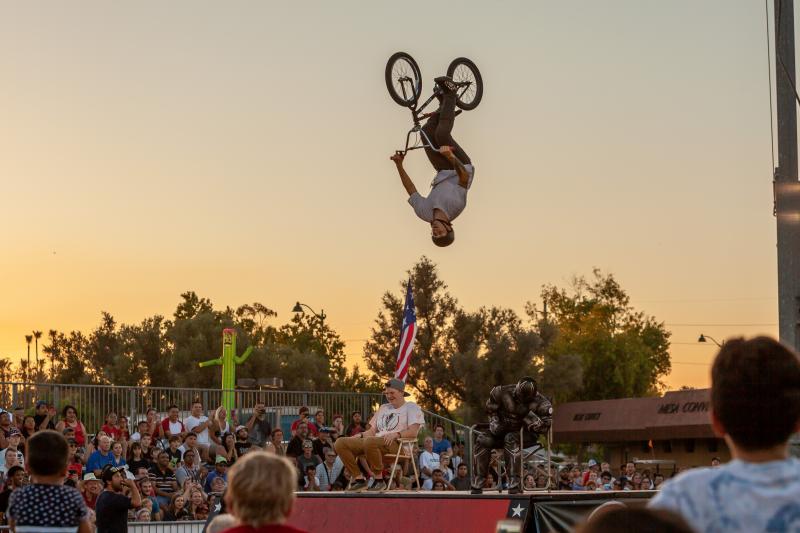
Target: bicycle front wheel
[(470, 84), (403, 79)]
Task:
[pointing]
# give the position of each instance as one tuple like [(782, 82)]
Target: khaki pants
[(373, 448)]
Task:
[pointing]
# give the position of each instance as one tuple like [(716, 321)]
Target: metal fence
[(166, 527), (94, 402)]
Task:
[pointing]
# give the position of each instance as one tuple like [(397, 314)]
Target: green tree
[(623, 352), (458, 356), (430, 373), (159, 352)]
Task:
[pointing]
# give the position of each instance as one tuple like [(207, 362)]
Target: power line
[(731, 299), (682, 325)]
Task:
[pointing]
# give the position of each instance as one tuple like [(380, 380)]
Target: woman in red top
[(123, 428), (111, 428), (70, 420)]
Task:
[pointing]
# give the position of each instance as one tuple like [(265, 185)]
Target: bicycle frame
[(417, 115)]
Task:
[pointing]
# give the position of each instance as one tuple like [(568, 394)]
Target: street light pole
[(704, 338), (298, 308)]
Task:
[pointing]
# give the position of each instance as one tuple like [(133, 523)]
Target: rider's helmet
[(525, 389)]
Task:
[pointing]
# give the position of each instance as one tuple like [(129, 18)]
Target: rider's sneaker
[(357, 485), (378, 486), (446, 84)]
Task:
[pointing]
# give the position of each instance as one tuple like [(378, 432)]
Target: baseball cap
[(221, 459), (397, 385), (14, 431), (109, 471), (90, 477), (326, 429), (592, 462), (40, 403), (238, 428)]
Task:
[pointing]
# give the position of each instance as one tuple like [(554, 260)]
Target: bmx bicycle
[(404, 82)]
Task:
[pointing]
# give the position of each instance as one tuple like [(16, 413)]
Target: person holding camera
[(112, 505), (258, 427)]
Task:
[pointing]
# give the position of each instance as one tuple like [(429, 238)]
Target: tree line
[(580, 342)]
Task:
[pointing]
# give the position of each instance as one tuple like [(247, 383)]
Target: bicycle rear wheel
[(403, 79), (469, 81)]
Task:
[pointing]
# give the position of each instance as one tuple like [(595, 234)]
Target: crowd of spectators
[(175, 469), (179, 466)]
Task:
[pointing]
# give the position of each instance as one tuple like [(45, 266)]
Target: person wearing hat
[(591, 466), (394, 420), (220, 471), (242, 443), (92, 487), (325, 438), (112, 505), (12, 449)]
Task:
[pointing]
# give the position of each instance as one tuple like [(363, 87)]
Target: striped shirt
[(163, 481)]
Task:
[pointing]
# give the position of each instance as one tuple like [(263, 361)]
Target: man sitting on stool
[(394, 420)]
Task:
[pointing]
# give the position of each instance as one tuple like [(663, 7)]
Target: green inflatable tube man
[(228, 361)]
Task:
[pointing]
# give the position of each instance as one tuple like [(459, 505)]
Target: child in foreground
[(47, 504), (755, 407)]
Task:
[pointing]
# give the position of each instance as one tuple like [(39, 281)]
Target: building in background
[(674, 427)]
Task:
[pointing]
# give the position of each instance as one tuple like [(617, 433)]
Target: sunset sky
[(240, 150)]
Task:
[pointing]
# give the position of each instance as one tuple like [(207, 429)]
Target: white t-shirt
[(192, 422), (446, 194), (737, 497), (428, 460), (20, 457), (391, 420)]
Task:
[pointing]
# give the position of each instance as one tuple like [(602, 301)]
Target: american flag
[(407, 335)]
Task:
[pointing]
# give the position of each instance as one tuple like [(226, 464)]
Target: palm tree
[(28, 339), (52, 333), (5, 377), (37, 335)]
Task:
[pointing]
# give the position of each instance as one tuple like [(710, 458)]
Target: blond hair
[(261, 488), (221, 522)]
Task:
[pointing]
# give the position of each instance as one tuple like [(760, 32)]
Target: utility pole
[(787, 187)]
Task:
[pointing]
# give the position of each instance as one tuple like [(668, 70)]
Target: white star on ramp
[(517, 511)]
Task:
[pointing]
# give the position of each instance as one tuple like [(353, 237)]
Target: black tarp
[(561, 516)]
